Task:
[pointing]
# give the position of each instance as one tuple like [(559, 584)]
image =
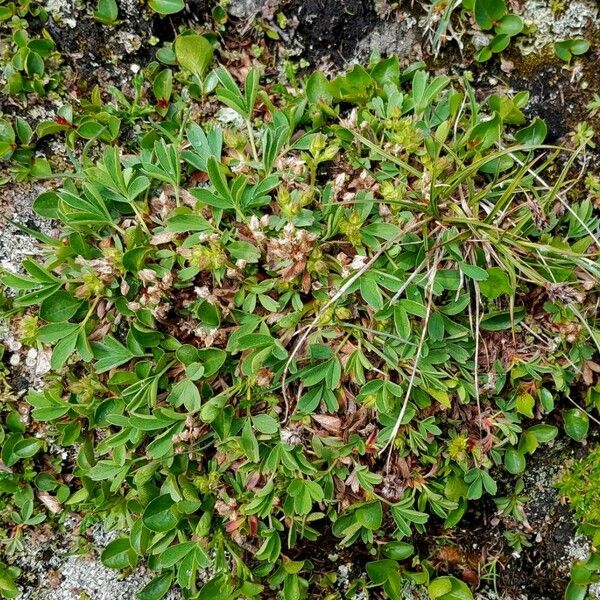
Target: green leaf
[(370, 515), (317, 89), (194, 371), (119, 554), (499, 43), (449, 588), (159, 515), (194, 53), (486, 133), (398, 550), (64, 349), (166, 7), (229, 93), (34, 64), (150, 422), (249, 442), (510, 25), (265, 424), (217, 178), (566, 49), (533, 134), (244, 251), (61, 306), (440, 587), (174, 554), (547, 399), (483, 54), (212, 359), (185, 392), (576, 423), (525, 404), (110, 354), (157, 588), (435, 327), (354, 86), (379, 570), (205, 144), (576, 592), (544, 433), (501, 320), (162, 85), (27, 448), (209, 314), (7, 585), (370, 291), (473, 271), (187, 222), (489, 12), (24, 131), (514, 461), (496, 284), (107, 11), (578, 46), (104, 469)]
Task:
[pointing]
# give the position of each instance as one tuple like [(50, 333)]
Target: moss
[(580, 485)]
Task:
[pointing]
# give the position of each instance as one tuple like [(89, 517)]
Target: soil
[(332, 29)]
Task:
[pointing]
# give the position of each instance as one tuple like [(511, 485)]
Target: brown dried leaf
[(50, 502), (331, 424)]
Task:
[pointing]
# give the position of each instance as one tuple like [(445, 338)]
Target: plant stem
[(251, 138)]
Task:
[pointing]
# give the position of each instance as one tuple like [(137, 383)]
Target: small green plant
[(517, 540), (17, 147), (26, 72), (513, 505), (22, 9), (580, 485), (28, 492), (490, 16), (566, 49), (583, 574), (311, 321), (8, 575)]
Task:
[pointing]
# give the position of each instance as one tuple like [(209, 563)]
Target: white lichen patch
[(131, 42), (80, 577), (35, 363), (549, 26), (228, 116), (245, 9), (15, 245), (62, 11), (394, 37), (55, 573)]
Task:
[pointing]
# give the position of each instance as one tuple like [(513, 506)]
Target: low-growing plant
[(27, 490), (341, 315), (580, 486), (566, 49), (490, 16), (22, 9), (24, 61)]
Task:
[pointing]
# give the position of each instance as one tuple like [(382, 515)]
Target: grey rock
[(245, 9)]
